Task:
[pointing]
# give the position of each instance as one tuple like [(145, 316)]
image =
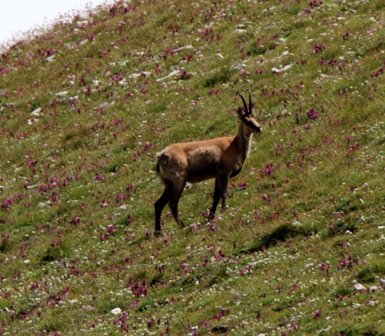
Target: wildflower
[(130, 219), (148, 145), (319, 48), (312, 114), (139, 288), (112, 229), (269, 169), (317, 314), (266, 198), (243, 186)]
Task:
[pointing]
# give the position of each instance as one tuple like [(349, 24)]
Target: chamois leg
[(174, 200), (223, 182), (217, 196), (160, 204)]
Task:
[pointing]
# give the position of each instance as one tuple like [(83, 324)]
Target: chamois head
[(247, 116)]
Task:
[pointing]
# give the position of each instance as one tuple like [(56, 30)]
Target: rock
[(282, 69), (50, 58), (116, 311), (81, 24), (239, 31), (36, 112), (62, 93), (359, 287)]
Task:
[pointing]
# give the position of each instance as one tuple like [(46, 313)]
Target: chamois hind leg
[(174, 200), (217, 196), (160, 204)]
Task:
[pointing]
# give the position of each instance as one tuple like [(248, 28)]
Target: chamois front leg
[(160, 204), (217, 196), (219, 192), (223, 182), (174, 200)]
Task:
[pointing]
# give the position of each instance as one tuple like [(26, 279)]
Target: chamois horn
[(244, 103), (250, 103)]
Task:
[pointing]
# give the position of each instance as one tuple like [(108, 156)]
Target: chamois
[(219, 158)]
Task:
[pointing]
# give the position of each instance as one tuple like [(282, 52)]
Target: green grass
[(78, 183)]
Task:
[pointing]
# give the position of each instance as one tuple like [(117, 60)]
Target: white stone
[(50, 58), (81, 23), (36, 112), (116, 311), (282, 69), (62, 93), (359, 287)]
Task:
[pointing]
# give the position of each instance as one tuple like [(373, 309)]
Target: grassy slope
[(85, 107)]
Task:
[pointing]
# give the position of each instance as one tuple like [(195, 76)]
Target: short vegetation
[(85, 106)]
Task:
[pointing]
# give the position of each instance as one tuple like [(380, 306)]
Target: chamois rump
[(219, 158)]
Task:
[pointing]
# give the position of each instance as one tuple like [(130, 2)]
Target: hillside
[(84, 108)]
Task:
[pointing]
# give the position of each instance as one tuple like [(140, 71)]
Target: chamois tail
[(163, 160)]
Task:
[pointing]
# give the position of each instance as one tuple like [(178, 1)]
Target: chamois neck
[(244, 139)]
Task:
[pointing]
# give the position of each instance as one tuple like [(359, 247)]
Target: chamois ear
[(240, 113)]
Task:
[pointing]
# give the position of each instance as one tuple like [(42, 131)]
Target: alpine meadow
[(86, 105)]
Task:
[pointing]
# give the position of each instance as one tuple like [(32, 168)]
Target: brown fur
[(219, 158)]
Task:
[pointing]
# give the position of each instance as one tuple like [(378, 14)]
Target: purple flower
[(317, 314), (139, 288), (243, 186), (318, 48), (312, 114), (75, 221), (112, 229)]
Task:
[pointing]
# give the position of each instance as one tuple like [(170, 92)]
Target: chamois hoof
[(158, 233), (181, 225)]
